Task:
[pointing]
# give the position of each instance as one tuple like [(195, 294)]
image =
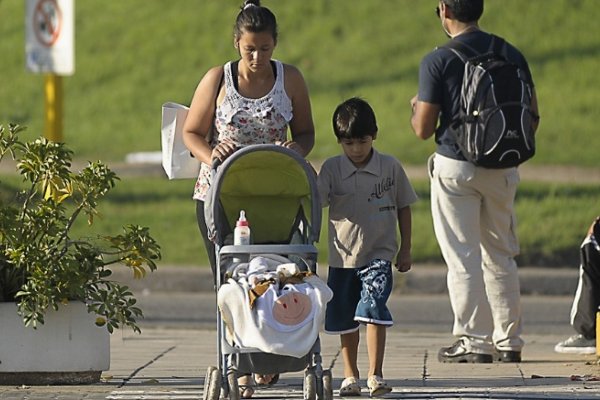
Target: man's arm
[(424, 118)]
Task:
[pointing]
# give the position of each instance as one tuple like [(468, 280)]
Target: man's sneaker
[(458, 353), (576, 344), (508, 356)]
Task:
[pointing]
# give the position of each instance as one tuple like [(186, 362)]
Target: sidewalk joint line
[(334, 360), (137, 370), (522, 374), (424, 374)]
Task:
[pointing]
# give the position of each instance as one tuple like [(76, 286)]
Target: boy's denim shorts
[(359, 296)]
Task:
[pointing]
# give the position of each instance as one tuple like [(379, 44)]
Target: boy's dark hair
[(354, 118), (255, 18), (465, 10)]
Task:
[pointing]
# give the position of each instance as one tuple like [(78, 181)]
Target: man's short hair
[(465, 10)]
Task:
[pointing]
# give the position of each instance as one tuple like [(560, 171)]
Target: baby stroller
[(277, 190)]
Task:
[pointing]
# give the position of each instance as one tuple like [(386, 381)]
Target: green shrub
[(41, 265)]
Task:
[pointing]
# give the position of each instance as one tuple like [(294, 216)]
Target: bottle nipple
[(242, 220)]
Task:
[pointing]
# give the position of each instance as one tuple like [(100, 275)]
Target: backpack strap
[(462, 50), (466, 52), (498, 47)]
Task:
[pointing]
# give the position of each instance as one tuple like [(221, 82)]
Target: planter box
[(67, 349)]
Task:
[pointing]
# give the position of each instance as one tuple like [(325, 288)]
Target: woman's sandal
[(350, 387), (246, 386), (274, 379), (266, 379), (246, 392)]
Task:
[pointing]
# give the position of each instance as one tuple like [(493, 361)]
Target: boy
[(368, 195)]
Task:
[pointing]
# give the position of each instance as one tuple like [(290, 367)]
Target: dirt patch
[(534, 173)]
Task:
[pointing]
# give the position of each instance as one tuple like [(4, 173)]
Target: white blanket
[(285, 322)]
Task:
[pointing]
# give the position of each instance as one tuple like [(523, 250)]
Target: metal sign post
[(53, 107), (49, 50)]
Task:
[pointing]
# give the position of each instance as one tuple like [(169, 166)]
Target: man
[(587, 297), (472, 207)]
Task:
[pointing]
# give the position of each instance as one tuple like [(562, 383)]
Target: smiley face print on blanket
[(288, 308)]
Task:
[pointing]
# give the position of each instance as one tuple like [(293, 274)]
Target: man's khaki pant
[(475, 226)]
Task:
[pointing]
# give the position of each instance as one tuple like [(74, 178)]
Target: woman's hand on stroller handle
[(222, 150), (227, 147), (290, 144)]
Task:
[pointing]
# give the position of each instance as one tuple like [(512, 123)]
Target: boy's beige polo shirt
[(363, 208)]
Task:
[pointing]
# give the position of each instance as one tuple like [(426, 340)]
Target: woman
[(249, 101)]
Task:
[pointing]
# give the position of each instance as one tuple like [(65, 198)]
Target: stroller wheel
[(207, 376), (212, 384), (234, 389), (310, 385), (327, 385)]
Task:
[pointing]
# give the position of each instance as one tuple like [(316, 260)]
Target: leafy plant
[(41, 265)]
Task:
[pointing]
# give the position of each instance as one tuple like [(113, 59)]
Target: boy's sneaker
[(458, 353), (576, 344)]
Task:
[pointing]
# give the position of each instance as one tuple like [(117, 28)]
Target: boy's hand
[(403, 261)]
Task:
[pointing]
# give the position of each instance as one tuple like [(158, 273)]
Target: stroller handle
[(215, 163)]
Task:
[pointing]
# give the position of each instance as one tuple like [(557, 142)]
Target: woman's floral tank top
[(248, 121)]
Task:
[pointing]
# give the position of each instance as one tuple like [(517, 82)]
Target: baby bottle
[(241, 233)]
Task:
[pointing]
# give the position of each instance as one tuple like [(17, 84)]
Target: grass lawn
[(552, 220), (132, 56)]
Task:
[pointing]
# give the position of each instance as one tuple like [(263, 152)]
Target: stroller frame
[(221, 381)]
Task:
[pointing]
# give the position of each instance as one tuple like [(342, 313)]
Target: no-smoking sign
[(50, 36), (47, 20)]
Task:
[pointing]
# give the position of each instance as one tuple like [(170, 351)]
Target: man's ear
[(446, 11), (374, 135)]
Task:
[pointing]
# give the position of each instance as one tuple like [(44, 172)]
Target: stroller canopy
[(276, 188)]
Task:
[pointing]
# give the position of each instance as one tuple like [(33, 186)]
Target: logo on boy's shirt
[(380, 188)]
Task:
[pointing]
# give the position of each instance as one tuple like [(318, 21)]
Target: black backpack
[(494, 127)]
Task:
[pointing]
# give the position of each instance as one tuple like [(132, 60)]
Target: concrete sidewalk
[(171, 364)]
